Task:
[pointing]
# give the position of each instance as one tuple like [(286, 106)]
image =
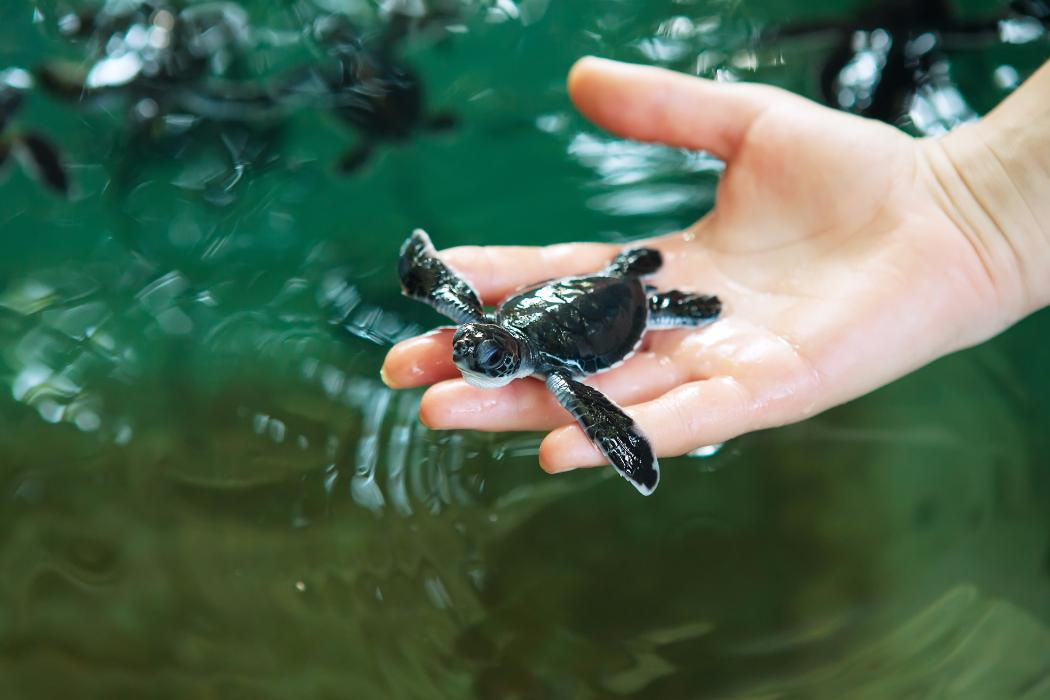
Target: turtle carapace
[(561, 331)]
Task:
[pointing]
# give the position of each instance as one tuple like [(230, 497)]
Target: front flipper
[(677, 309), (425, 277), (611, 430)]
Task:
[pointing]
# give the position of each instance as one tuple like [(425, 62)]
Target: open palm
[(832, 245)]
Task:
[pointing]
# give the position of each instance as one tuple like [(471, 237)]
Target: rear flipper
[(636, 262), (442, 121), (425, 277), (611, 430), (43, 162), (676, 309)]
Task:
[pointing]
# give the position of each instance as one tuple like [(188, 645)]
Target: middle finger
[(527, 405)]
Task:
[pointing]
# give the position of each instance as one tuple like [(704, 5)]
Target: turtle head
[(489, 355)]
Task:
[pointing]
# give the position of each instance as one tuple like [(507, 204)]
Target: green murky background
[(206, 492)]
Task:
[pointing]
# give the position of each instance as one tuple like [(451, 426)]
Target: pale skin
[(846, 252)]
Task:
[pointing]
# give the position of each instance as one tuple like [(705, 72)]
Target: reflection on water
[(825, 547), (208, 493)]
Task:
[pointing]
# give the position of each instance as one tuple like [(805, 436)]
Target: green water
[(207, 493)]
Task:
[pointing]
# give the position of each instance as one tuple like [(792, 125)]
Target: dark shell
[(583, 324)]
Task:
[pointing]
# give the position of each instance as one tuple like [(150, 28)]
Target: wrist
[(993, 180)]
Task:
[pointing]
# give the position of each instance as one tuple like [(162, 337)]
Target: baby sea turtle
[(367, 86), (560, 331)]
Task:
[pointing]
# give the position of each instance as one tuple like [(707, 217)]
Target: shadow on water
[(208, 493)]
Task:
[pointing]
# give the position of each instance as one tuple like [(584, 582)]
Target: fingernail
[(599, 62), (555, 469), (386, 379)]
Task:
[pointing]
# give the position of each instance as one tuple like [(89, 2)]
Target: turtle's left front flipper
[(611, 430), (425, 277)]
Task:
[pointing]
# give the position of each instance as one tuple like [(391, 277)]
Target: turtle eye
[(489, 354)]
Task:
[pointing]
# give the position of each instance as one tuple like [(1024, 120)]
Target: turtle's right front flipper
[(425, 277), (611, 430)]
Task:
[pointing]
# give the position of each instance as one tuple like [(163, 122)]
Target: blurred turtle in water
[(37, 155), (174, 68), (893, 50), (362, 80), (171, 64)]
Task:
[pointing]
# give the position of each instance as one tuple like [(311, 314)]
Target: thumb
[(653, 104)]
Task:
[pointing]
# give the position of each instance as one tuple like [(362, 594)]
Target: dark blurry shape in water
[(363, 81), (172, 69), (163, 59), (1036, 9), (890, 63), (178, 70), (38, 156)]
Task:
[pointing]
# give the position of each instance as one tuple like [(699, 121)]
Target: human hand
[(835, 244)]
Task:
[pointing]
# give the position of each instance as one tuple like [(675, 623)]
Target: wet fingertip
[(552, 468), (548, 457), (438, 408), (462, 259), (428, 415), (577, 69), (589, 62)]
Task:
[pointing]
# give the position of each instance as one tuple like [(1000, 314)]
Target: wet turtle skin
[(582, 325)]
